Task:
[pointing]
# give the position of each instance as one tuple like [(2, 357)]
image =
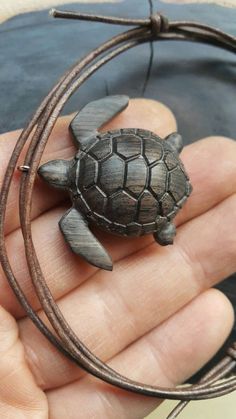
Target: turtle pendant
[(129, 182)]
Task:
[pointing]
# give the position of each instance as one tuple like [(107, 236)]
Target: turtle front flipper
[(81, 240), (94, 115)]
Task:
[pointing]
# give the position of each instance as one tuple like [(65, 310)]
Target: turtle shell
[(129, 181)]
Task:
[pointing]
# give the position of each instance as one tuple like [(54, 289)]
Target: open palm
[(154, 318)]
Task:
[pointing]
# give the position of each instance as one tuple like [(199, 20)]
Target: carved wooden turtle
[(129, 182)]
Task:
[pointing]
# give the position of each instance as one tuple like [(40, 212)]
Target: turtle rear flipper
[(176, 141), (81, 240), (94, 115)]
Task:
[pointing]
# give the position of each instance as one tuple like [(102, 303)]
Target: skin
[(155, 318)]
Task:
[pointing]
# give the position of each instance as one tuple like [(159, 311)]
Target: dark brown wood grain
[(129, 181)]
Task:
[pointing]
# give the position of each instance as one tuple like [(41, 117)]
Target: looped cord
[(232, 352), (38, 131), (159, 23)]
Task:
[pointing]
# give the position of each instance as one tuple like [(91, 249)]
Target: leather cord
[(37, 132)]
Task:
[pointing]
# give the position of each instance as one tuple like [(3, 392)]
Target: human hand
[(154, 318)]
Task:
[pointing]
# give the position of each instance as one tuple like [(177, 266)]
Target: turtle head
[(56, 173)]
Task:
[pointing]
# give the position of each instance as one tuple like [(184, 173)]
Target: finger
[(19, 394), (147, 114), (42, 199), (166, 356), (63, 270), (145, 289), (212, 183)]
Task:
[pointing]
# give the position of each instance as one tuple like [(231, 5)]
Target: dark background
[(196, 81)]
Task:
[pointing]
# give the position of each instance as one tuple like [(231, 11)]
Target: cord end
[(23, 168), (52, 12)]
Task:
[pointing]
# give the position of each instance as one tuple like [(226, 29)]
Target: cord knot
[(159, 23)]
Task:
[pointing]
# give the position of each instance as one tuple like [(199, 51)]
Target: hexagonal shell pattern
[(177, 184), (136, 176), (112, 174), (153, 150), (158, 179), (167, 204), (102, 149), (121, 208), (87, 172), (96, 199), (128, 145), (148, 208), (170, 161), (125, 171)]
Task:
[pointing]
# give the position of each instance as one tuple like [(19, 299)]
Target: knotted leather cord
[(38, 131)]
